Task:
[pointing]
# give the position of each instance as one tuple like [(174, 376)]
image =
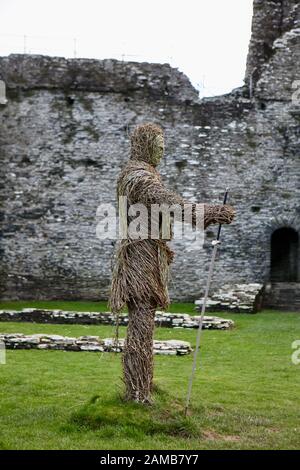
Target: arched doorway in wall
[(284, 255)]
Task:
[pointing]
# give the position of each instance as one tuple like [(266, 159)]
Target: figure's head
[(147, 144)]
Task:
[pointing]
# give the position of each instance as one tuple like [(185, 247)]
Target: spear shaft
[(215, 244)]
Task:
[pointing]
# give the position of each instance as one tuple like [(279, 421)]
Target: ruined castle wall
[(271, 19), (64, 138)]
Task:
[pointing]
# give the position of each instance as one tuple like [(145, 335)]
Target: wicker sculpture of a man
[(141, 270)]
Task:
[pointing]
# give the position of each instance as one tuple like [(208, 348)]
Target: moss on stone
[(92, 132)]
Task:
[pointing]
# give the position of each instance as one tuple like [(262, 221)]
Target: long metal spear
[(215, 244)]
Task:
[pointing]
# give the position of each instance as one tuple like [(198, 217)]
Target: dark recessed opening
[(70, 100), (255, 209), (284, 255), (210, 234), (181, 164)]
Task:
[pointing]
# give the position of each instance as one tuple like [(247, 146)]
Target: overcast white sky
[(205, 39)]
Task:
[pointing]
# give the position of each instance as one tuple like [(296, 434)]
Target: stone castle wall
[(64, 138)]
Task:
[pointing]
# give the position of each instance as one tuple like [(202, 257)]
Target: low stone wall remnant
[(241, 298), (87, 344), (164, 319)]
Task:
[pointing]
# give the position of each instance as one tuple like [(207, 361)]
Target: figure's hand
[(217, 214), (226, 214)]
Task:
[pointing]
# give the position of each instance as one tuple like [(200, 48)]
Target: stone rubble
[(163, 319), (243, 298), (87, 344)]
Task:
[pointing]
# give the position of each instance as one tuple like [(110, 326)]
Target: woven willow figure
[(141, 270)]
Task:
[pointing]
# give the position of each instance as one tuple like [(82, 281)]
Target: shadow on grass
[(114, 416)]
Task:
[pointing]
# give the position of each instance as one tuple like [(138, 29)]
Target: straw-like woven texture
[(140, 275)]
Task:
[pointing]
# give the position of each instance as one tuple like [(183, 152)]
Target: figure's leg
[(138, 352)]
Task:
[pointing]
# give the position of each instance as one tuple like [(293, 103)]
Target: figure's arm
[(151, 190)]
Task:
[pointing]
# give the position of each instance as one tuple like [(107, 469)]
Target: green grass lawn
[(246, 392), (81, 306)]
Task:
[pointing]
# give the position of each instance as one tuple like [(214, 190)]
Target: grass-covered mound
[(165, 417)]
